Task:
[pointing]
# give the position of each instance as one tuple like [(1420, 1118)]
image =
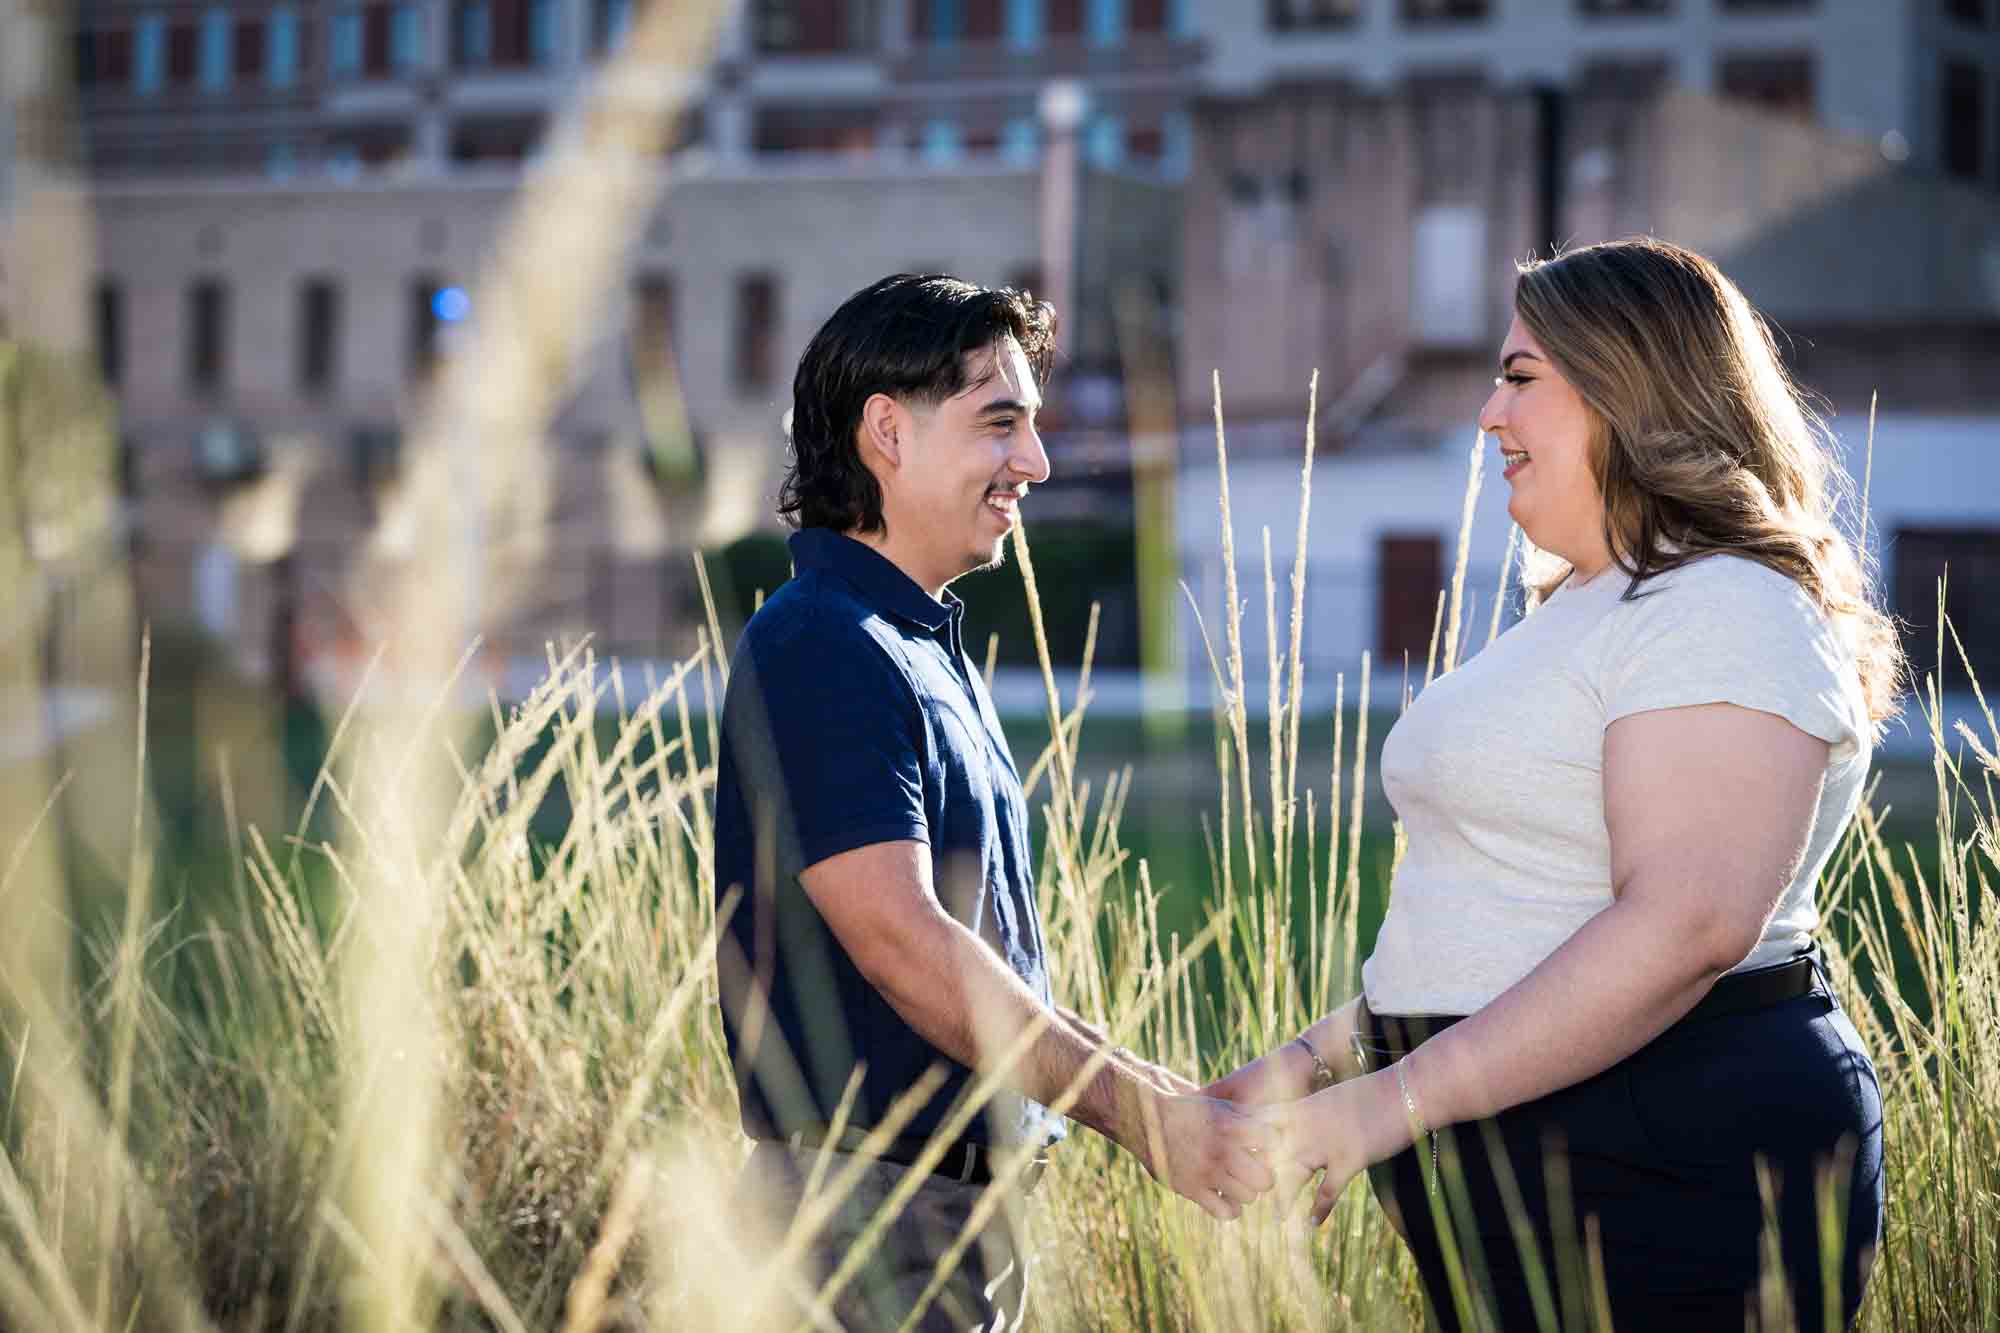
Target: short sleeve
[(1729, 630), (826, 733)]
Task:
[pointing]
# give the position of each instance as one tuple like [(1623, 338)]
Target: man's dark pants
[(986, 1291)]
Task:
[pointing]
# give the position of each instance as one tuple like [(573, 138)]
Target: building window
[(1597, 7), (149, 65), (420, 351), (1289, 15), (1782, 84), (948, 22), (1968, 559), (670, 448), (1104, 141), (183, 53), (1409, 573), (375, 35), (940, 22), (941, 142), (756, 332), (251, 49), (215, 66), (208, 335), (109, 331), (1972, 13), (1445, 11), (1021, 142), (610, 21), (813, 27), (472, 34), (506, 34), (1176, 143), (1145, 143), (497, 139), (1964, 119), (369, 145), (653, 326), (103, 57), (815, 129), (282, 70), (319, 336)]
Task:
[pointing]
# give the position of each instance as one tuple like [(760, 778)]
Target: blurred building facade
[(295, 202), (1365, 176)]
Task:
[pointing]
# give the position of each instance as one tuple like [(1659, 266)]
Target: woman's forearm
[(1333, 1038)]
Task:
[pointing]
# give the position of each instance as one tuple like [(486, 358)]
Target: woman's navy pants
[(1648, 1188)]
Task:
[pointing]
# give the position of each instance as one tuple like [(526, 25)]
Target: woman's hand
[(1341, 1132)]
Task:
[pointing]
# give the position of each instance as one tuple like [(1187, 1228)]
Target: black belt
[(1389, 1037), (966, 1162)]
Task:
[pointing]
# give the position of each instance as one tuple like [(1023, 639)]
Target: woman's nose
[(1491, 417)]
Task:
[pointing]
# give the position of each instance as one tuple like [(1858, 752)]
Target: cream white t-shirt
[(1496, 770)]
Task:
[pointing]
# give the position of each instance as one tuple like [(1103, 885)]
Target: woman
[(1593, 1002)]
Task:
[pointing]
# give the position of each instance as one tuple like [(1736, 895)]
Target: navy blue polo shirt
[(854, 716)]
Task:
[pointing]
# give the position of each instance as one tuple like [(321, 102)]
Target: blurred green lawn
[(1170, 816)]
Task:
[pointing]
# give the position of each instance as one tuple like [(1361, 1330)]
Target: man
[(868, 807)]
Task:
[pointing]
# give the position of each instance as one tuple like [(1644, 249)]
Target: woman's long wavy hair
[(1702, 441)]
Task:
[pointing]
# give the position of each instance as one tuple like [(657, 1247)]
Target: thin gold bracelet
[(1417, 1123)]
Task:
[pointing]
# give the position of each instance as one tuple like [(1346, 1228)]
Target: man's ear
[(882, 435)]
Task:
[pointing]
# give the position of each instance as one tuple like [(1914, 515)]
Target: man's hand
[(1203, 1149)]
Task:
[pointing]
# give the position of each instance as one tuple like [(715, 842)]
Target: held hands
[(1204, 1150), (1319, 1135), (1341, 1131)]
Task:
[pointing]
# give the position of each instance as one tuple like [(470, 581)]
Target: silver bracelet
[(1417, 1123), (1322, 1077)]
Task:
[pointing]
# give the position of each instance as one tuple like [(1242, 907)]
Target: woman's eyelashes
[(1514, 377)]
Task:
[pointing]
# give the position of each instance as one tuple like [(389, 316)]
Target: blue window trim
[(1025, 29), (149, 56), (281, 55), (214, 70)]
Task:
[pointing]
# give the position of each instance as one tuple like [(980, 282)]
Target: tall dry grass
[(222, 1124)]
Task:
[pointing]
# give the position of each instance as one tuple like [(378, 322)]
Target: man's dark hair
[(908, 336)]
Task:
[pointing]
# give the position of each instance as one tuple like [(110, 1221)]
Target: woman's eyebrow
[(1507, 362)]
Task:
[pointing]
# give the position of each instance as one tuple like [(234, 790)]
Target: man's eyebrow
[(1003, 406), (1507, 362)]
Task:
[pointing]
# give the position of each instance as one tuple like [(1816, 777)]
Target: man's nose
[(1030, 460)]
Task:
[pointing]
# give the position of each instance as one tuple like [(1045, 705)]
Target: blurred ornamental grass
[(441, 1070)]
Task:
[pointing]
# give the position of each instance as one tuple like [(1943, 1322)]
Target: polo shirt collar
[(871, 574)]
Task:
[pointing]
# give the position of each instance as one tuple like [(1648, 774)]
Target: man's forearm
[(1162, 1078), (961, 998)]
